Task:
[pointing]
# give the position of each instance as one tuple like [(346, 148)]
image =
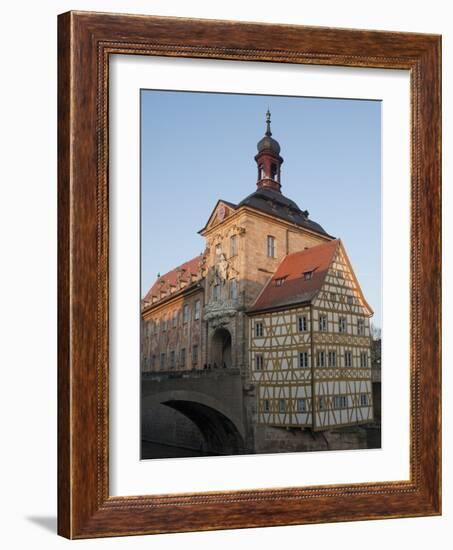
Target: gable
[(222, 211)]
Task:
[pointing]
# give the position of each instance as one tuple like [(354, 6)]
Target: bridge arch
[(223, 432)]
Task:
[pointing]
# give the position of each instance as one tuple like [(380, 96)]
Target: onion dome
[(268, 143)]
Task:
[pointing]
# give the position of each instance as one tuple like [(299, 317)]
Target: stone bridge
[(210, 399)]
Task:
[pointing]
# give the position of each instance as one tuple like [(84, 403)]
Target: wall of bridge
[(214, 395)]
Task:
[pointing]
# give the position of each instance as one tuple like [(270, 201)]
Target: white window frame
[(259, 329), (348, 353), (363, 359), (361, 327), (364, 400), (303, 363), (259, 362), (320, 354), (332, 359), (301, 401), (340, 402), (302, 322)]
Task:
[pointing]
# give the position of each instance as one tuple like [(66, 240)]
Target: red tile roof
[(164, 282), (295, 289)]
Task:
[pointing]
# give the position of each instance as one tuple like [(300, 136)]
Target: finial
[(268, 123)]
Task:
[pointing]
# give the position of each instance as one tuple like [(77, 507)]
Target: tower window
[(271, 246), (274, 172), (260, 171)]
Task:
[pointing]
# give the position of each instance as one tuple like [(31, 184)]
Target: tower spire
[(268, 123), (268, 159)]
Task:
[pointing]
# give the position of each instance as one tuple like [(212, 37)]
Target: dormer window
[(280, 281), (308, 275)]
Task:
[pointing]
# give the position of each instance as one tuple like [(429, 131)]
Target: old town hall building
[(274, 296)]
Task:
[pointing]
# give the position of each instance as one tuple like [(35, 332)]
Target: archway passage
[(221, 348), (220, 434)]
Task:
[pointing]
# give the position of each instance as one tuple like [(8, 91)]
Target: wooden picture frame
[(85, 42)]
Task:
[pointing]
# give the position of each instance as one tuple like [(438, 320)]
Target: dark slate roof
[(274, 203)]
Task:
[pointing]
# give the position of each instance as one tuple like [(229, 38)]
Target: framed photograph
[(249, 275)]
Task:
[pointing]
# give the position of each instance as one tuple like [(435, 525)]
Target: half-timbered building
[(310, 343)]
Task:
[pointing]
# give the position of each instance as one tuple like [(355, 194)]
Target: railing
[(193, 373)]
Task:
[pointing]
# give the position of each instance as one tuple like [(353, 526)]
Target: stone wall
[(269, 439)]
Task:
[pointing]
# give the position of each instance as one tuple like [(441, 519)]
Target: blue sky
[(199, 147)]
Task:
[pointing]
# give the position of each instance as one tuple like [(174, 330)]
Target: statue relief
[(222, 268)]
